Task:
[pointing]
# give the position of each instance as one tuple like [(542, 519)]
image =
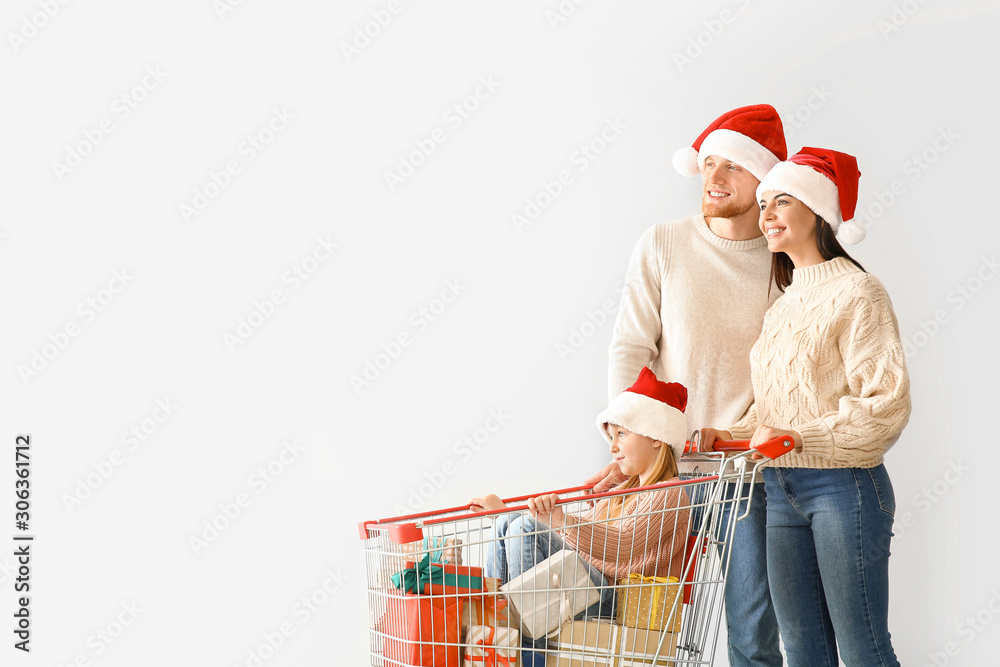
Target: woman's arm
[(872, 413)]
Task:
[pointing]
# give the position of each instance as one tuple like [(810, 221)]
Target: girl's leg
[(525, 542), (529, 542), (793, 573), (519, 543), (852, 542), (517, 546), (496, 549)]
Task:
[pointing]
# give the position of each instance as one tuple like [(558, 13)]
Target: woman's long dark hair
[(829, 247)]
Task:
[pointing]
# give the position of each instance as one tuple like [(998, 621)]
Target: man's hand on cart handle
[(708, 438), (489, 503), (545, 509), (604, 480), (598, 481)]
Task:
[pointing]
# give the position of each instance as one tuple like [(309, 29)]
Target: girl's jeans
[(523, 542), (828, 535)]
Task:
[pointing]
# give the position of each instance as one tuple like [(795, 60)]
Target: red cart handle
[(772, 449), (408, 532)]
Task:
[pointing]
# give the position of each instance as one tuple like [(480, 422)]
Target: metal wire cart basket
[(431, 604)]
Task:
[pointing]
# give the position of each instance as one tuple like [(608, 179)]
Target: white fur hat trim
[(646, 416)]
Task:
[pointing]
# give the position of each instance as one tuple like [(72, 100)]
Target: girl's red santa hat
[(752, 137), (651, 408), (827, 182)]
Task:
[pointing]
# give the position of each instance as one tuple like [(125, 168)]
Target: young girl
[(828, 370), (647, 431)]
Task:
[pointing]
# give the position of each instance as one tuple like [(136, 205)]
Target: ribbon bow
[(413, 579), (489, 658), (565, 607), (438, 555)]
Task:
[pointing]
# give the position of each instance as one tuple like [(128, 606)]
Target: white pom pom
[(851, 232), (686, 161)]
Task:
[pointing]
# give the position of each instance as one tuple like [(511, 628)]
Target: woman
[(828, 371)]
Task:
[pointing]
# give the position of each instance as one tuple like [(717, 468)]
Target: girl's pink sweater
[(648, 538)]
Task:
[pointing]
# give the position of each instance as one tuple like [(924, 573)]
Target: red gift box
[(423, 630), (458, 579)]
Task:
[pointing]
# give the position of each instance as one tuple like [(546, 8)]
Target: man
[(693, 305)]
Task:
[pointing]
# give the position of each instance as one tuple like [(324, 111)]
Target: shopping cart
[(431, 605)]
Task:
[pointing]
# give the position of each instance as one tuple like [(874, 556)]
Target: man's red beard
[(729, 208)]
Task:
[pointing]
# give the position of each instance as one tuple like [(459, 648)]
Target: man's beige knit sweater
[(829, 364), (692, 308)]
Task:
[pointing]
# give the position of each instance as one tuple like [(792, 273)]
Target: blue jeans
[(751, 624), (828, 534), (524, 542)]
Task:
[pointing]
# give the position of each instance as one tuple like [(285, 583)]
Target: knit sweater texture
[(829, 364), (648, 538), (691, 309)]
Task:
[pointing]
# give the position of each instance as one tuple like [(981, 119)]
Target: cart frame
[(431, 623)]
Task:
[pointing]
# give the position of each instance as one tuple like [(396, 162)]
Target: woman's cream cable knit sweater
[(829, 364)]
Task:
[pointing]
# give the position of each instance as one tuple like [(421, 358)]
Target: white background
[(881, 80)]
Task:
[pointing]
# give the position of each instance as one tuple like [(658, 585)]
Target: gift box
[(422, 630), (492, 647), (647, 602), (588, 643), (639, 647), (551, 593), (488, 609), (446, 550)]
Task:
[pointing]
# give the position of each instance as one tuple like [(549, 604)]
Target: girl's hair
[(828, 245), (664, 469)]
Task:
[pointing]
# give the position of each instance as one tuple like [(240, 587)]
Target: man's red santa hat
[(752, 137)]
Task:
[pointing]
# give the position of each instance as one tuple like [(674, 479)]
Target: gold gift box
[(647, 603)]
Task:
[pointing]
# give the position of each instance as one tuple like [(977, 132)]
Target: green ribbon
[(413, 579), (438, 555)]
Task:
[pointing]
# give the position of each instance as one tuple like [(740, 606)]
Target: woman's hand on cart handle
[(545, 509), (489, 503), (708, 438), (765, 433), (772, 442)]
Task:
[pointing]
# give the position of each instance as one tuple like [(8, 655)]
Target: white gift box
[(503, 643), (551, 593)]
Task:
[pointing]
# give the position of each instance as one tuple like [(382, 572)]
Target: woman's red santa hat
[(752, 137), (827, 182), (651, 408)]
